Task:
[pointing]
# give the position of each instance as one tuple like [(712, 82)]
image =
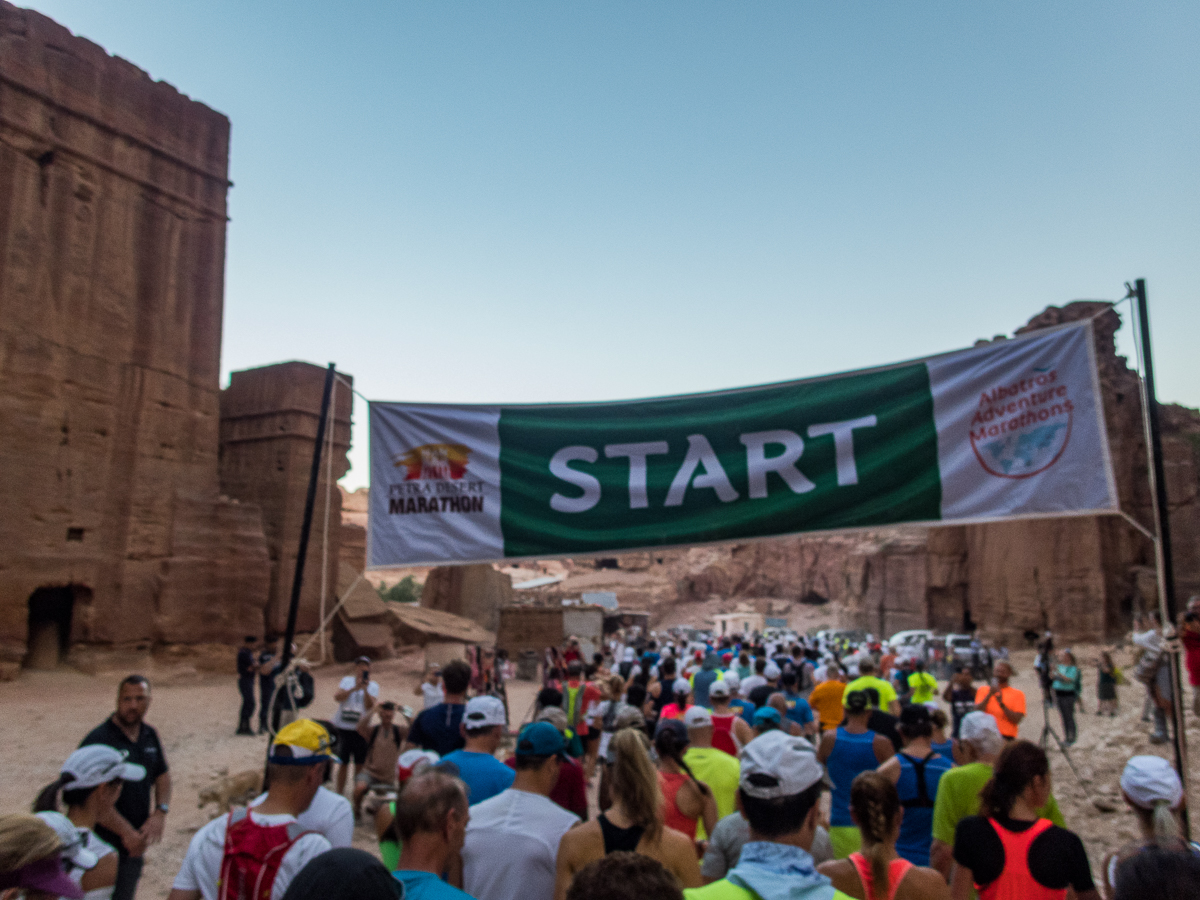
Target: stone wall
[(112, 244), (475, 592), (269, 418)]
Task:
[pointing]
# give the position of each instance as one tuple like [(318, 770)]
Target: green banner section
[(857, 450)]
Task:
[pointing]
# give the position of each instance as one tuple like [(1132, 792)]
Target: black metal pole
[(1166, 570), (306, 526)]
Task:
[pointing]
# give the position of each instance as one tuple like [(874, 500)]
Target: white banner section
[(1020, 428), (426, 459)]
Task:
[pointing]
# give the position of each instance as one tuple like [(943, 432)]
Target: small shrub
[(404, 591)]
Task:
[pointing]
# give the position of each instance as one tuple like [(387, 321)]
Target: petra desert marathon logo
[(1022, 427), (436, 480)]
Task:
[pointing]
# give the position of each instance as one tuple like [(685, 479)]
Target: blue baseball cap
[(767, 714), (541, 739)]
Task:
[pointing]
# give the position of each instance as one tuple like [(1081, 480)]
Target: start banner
[(1010, 429)]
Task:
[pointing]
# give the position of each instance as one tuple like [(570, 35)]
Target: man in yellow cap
[(264, 845)]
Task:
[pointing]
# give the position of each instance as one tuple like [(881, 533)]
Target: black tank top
[(616, 839)]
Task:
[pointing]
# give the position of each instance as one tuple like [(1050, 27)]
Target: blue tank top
[(852, 755), (946, 749), (916, 829)]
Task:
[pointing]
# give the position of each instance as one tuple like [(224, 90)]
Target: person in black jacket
[(247, 668)]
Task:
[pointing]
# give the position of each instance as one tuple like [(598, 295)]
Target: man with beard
[(133, 825)]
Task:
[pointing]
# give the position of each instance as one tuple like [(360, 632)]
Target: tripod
[(1048, 732)]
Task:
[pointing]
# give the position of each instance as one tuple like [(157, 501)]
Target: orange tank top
[(1015, 881), (897, 869), (722, 737), (672, 817)]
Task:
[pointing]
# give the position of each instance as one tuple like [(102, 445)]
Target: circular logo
[(1023, 435)]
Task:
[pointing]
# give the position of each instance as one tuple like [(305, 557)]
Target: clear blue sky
[(521, 202)]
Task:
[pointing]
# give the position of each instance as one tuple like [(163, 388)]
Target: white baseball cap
[(732, 679), (72, 838), (681, 686), (1148, 780), (482, 712), (98, 764), (412, 761), (720, 689), (981, 730), (697, 717), (776, 764), (771, 672)]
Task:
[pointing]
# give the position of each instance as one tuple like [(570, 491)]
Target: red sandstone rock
[(112, 244)]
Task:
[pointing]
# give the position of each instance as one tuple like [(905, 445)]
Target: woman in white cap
[(90, 781), (1152, 789)]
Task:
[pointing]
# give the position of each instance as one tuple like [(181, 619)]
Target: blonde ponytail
[(1166, 827), (635, 781)]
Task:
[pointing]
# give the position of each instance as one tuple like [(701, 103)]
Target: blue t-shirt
[(436, 728), (484, 775), (746, 707), (798, 709), (701, 682), (427, 886)]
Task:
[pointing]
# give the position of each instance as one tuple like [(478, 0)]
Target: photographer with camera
[(356, 696), (1006, 704)]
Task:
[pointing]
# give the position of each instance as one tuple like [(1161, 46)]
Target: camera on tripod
[(1043, 663)]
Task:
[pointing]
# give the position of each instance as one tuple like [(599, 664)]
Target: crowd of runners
[(653, 768)]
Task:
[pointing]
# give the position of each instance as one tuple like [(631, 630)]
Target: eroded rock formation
[(112, 245), (269, 419)]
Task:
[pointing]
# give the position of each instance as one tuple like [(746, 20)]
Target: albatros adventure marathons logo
[(435, 481), (1022, 427)]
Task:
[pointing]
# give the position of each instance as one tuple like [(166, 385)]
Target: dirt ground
[(196, 717)]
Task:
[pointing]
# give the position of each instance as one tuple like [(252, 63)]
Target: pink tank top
[(897, 869)]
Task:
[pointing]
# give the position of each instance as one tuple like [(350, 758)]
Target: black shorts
[(351, 745)]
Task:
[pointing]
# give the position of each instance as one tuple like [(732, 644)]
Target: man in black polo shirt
[(133, 826)]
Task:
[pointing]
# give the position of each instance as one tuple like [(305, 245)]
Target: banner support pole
[(1162, 546), (306, 524)]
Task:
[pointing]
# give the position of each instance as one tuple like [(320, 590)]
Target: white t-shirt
[(101, 848), (512, 845), (202, 865), (433, 694), (328, 814), (352, 708), (749, 684)]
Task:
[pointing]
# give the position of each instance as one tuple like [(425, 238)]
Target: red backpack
[(253, 854)]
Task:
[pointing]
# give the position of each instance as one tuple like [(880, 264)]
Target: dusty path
[(52, 711), (196, 717)]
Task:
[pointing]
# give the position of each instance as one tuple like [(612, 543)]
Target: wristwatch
[(163, 808)]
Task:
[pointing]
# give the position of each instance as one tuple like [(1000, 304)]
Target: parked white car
[(903, 640)]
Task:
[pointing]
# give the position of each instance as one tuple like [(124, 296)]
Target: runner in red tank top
[(730, 731), (686, 800)]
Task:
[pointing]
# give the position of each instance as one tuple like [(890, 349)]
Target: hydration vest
[(252, 857)]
